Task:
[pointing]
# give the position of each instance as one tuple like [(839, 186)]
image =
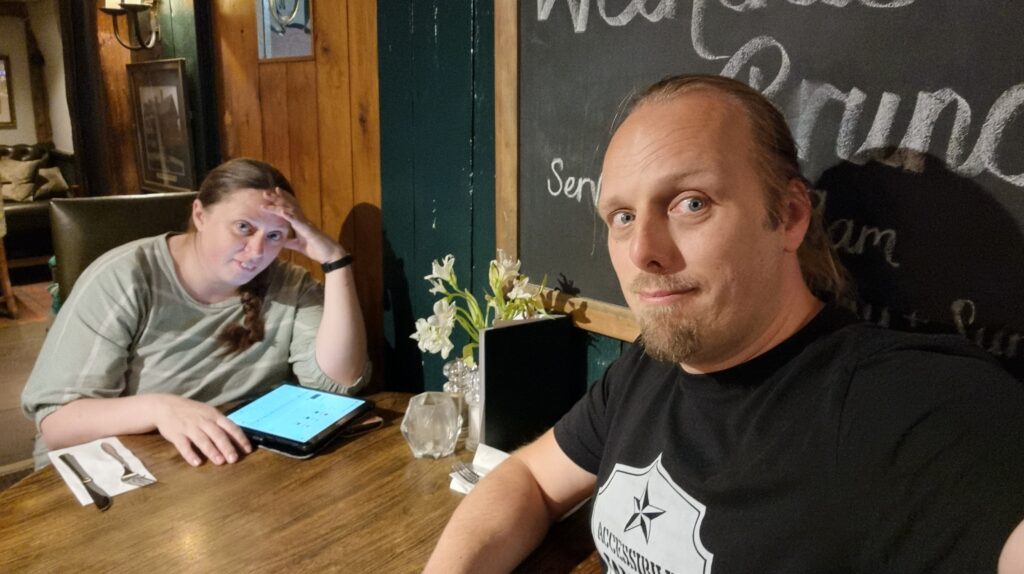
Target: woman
[(160, 331)]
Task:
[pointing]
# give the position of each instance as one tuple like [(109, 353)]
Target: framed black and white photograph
[(7, 119), (164, 140)]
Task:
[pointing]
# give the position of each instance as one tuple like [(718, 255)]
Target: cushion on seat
[(25, 184), (52, 184), (18, 178), (21, 191)]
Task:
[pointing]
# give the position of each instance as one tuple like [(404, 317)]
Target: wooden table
[(364, 505)]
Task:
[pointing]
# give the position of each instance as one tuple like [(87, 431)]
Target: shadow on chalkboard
[(567, 286), (929, 250)]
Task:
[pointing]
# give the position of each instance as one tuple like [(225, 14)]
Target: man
[(753, 427)]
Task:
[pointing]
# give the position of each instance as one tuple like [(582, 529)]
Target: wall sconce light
[(131, 10)]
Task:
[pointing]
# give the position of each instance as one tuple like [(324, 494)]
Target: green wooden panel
[(436, 73), (482, 168), (394, 45), (427, 140), (601, 351)]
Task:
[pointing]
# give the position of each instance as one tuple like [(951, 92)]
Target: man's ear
[(796, 211)]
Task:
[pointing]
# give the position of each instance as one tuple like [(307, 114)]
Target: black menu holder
[(533, 372)]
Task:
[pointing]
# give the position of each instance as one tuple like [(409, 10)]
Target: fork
[(129, 476), (466, 472)]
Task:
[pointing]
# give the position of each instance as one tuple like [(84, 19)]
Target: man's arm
[(1011, 560), (509, 512)]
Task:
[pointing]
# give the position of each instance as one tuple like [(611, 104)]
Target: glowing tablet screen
[(295, 413)]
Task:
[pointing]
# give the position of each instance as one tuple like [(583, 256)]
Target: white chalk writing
[(847, 239), (909, 154), (1000, 342), (814, 97), (572, 187), (579, 10)]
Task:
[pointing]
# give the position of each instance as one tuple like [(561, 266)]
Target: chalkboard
[(906, 113)]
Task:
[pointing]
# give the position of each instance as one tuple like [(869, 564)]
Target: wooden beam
[(506, 127)]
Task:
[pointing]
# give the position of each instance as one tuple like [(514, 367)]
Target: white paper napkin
[(484, 461), (104, 470)]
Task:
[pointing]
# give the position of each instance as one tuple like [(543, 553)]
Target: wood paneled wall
[(317, 120), (124, 178), (181, 25)]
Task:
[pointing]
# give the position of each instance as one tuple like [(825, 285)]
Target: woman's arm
[(75, 391), (183, 422), (341, 337)]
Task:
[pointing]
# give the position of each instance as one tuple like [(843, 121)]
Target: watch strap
[(338, 264)]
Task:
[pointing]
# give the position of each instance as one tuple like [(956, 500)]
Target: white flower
[(431, 339), (503, 268), (445, 314), (521, 289), (511, 296), (443, 270), (434, 333), (437, 287)]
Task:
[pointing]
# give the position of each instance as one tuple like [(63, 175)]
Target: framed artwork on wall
[(163, 134), (7, 119)]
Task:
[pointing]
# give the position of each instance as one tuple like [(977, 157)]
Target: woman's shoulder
[(126, 266)]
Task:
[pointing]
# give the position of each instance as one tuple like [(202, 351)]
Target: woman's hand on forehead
[(308, 240), (280, 202)]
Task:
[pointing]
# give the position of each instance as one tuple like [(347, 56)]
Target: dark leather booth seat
[(86, 227), (28, 231), (28, 240)]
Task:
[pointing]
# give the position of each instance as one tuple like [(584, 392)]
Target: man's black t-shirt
[(847, 448)]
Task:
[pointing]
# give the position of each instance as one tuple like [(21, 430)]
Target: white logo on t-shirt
[(643, 522)]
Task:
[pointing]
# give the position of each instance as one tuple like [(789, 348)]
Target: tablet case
[(533, 372)]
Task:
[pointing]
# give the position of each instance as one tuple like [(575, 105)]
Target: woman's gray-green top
[(129, 328)]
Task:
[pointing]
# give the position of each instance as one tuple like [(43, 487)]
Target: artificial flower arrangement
[(511, 297)]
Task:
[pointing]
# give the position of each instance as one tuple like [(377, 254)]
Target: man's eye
[(275, 236), (694, 204), (243, 227), (620, 218)]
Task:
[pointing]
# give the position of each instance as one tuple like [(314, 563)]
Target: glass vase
[(463, 382)]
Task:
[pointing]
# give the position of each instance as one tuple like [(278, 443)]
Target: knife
[(98, 496)]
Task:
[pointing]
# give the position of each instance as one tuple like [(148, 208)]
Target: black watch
[(335, 265)]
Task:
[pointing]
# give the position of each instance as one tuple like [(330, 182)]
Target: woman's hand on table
[(191, 425)]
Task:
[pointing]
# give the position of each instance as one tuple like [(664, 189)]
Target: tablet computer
[(297, 421)]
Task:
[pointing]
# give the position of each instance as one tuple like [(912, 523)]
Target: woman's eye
[(693, 204), (621, 218)]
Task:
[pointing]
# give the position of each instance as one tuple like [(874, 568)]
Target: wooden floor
[(20, 341)]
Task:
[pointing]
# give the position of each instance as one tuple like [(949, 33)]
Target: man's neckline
[(761, 367)]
